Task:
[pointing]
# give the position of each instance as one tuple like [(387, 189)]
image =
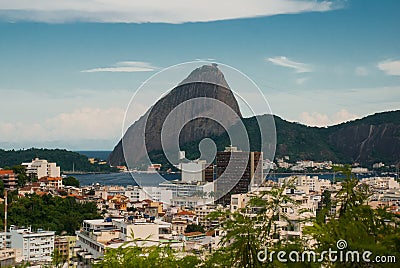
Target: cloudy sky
[(69, 68)]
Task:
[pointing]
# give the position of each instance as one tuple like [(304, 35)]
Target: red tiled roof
[(6, 172), (54, 179), (193, 234), (185, 212)]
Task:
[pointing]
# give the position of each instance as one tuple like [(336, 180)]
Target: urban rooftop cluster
[(178, 213)]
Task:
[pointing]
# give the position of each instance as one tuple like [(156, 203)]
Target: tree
[(194, 228), (1, 188), (325, 209), (146, 257), (253, 228), (362, 227), (48, 212), (20, 171), (71, 181)]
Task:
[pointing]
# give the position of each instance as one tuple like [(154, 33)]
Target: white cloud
[(79, 119), (323, 120), (390, 67), (361, 71), (124, 67), (285, 62), (84, 123), (173, 11)]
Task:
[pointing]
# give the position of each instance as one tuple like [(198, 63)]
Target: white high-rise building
[(36, 247), (42, 168)]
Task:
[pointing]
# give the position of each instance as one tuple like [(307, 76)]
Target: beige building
[(62, 246), (314, 184), (178, 226), (203, 211), (7, 257), (381, 182)]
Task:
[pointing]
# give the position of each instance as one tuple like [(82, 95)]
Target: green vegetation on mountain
[(48, 213), (67, 160)]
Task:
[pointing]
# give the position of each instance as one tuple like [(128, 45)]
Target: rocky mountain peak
[(207, 74), (144, 136)]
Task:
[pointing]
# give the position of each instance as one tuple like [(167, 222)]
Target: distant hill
[(100, 155), (371, 139), (67, 160)]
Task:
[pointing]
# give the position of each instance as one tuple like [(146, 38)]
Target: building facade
[(40, 168), (36, 246), (237, 171), (9, 179)]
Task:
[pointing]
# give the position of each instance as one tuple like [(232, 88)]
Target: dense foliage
[(67, 160), (146, 257), (70, 181), (48, 213), (194, 228), (362, 227)]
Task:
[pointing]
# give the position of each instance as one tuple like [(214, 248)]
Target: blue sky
[(69, 68)]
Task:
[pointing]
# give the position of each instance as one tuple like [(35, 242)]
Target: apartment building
[(98, 235), (311, 184), (36, 246), (40, 168), (9, 179), (203, 211)]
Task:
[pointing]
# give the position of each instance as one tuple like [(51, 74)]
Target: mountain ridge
[(337, 143)]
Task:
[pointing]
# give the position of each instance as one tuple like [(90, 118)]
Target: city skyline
[(66, 76)]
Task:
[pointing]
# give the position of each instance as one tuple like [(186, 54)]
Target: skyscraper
[(245, 169)]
